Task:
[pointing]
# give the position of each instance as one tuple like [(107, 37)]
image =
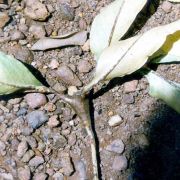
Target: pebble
[(59, 141), (38, 31), (2, 148), (72, 138), (17, 35), (54, 64), (21, 53), (21, 112), (82, 24), (36, 10), (40, 176), (35, 100), (36, 161), (58, 176), (72, 90), (31, 141), (128, 99), (53, 121), (65, 74), (6, 176), (36, 118), (115, 120), (50, 107), (41, 146), (66, 12), (166, 6), (120, 163), (22, 148), (84, 66), (24, 173), (4, 18), (116, 146), (66, 164), (130, 86), (26, 131), (86, 46), (81, 168), (27, 156)]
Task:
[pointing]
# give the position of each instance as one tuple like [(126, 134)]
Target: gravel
[(116, 146), (36, 118), (36, 10), (22, 148), (36, 161), (24, 173), (35, 100), (120, 163)]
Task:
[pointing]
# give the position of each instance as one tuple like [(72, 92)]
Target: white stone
[(115, 120)]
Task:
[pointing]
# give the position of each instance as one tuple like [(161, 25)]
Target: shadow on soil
[(161, 159)]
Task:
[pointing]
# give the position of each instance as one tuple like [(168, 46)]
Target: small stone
[(23, 28), (116, 146), (38, 31), (40, 176), (6, 176), (21, 53), (36, 10), (54, 64), (128, 99), (66, 164), (66, 12), (115, 120), (82, 24), (65, 74), (58, 176), (22, 148), (36, 161), (130, 86), (50, 107), (35, 100), (59, 88), (36, 119), (2, 146), (41, 146), (84, 66), (81, 168), (17, 35), (53, 121), (72, 139), (31, 141), (72, 90), (120, 163), (4, 18), (24, 173), (166, 6), (26, 131), (86, 46), (59, 141), (27, 156)]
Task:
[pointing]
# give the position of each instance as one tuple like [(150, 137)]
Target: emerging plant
[(115, 58)]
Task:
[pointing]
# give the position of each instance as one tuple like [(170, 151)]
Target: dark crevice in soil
[(116, 82), (161, 159), (91, 107)]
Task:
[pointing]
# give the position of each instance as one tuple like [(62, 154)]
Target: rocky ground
[(41, 137)]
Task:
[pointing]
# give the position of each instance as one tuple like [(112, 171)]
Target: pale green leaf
[(112, 23), (125, 57), (170, 51), (15, 76), (165, 90)]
